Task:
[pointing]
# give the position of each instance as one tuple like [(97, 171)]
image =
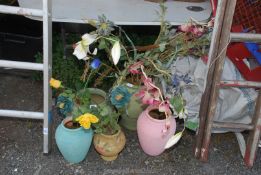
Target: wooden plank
[(213, 52), (224, 40), (254, 135)]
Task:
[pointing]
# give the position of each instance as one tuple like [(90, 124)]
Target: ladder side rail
[(213, 52), (47, 73), (224, 40), (254, 136)]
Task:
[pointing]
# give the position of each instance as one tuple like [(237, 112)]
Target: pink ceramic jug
[(153, 134)]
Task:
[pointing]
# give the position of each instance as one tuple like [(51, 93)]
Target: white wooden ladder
[(46, 67)]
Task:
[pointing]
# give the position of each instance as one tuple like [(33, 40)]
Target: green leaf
[(177, 103), (102, 44)]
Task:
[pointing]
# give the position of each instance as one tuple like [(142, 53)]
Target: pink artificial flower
[(204, 58), (134, 68), (147, 97), (165, 107), (198, 31), (186, 27), (148, 83), (155, 93)]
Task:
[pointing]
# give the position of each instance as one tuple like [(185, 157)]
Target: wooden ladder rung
[(245, 37), (237, 83), (229, 125)]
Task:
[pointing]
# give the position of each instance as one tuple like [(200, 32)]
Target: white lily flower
[(82, 47), (88, 39), (116, 52), (80, 52)]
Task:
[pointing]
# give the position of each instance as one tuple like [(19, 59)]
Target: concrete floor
[(21, 145)]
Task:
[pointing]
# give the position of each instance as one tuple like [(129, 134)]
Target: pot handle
[(167, 127)]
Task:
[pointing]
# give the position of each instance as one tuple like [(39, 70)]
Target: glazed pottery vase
[(74, 144), (98, 96), (152, 133), (109, 146), (130, 114)]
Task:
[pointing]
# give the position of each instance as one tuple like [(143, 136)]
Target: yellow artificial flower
[(55, 83), (61, 105), (93, 118), (84, 121)]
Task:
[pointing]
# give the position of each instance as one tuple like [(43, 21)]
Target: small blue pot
[(74, 144)]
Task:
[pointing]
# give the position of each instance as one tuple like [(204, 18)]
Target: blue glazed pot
[(74, 144)]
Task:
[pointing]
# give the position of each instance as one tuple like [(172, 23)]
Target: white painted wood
[(21, 114), (47, 74), (245, 37), (21, 65), (20, 11), (122, 12)]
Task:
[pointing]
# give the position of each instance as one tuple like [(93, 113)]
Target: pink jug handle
[(167, 127)]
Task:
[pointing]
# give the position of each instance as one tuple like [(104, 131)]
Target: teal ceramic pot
[(74, 144)]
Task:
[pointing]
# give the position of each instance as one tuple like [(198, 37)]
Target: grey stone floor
[(21, 145)]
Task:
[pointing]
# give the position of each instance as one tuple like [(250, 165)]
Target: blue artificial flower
[(120, 96), (64, 104), (95, 63), (177, 79)]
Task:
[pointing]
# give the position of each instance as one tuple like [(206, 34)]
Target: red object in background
[(214, 6), (237, 53), (248, 14)]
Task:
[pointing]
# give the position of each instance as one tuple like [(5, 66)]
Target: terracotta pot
[(109, 146), (152, 133)]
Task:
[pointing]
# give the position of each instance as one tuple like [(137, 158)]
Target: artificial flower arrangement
[(79, 105), (149, 65), (82, 111), (75, 104), (189, 39)]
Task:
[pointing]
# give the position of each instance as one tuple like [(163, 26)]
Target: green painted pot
[(130, 114), (98, 96)]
